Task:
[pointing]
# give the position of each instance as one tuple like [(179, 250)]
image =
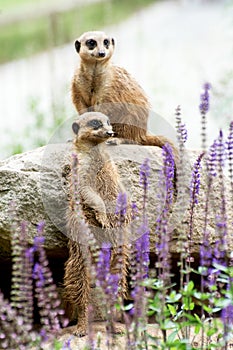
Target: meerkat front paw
[(113, 142), (80, 331), (102, 219)]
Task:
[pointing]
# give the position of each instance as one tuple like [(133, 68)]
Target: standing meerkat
[(98, 85), (98, 186)]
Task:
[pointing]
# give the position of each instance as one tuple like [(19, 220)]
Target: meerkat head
[(92, 127), (95, 46)]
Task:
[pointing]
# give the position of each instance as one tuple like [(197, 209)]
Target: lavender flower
[(40, 227), (144, 174), (195, 180), (121, 205), (205, 255), (204, 108), (206, 252), (105, 280), (227, 317), (182, 133), (142, 243), (141, 252), (168, 172), (211, 160), (134, 210), (142, 247), (140, 260), (221, 218), (204, 105), (9, 325), (230, 155), (22, 289), (67, 345), (108, 284), (227, 312), (194, 192), (165, 196), (45, 291), (221, 150)]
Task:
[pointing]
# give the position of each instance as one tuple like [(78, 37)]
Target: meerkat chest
[(96, 86), (99, 172)]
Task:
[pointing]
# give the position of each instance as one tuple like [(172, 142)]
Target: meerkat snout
[(102, 54)]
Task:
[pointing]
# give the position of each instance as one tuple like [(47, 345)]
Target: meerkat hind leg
[(82, 324)]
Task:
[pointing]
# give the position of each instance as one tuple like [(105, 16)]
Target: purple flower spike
[(40, 227), (182, 133), (230, 143), (121, 205), (168, 172), (221, 150), (105, 280), (194, 192), (195, 181), (211, 160), (204, 105), (142, 247), (144, 174), (230, 155)]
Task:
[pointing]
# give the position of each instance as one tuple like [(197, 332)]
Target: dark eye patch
[(91, 44), (106, 43), (95, 124)]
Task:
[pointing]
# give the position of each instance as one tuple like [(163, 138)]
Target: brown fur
[(99, 85), (99, 186)]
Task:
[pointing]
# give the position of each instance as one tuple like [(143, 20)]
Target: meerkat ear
[(75, 128), (113, 42), (77, 45)]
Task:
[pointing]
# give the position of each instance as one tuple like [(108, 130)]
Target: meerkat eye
[(108, 122), (106, 43), (95, 124), (91, 44)]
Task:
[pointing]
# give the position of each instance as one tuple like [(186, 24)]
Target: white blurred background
[(171, 47)]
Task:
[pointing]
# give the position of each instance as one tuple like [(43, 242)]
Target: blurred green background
[(30, 26)]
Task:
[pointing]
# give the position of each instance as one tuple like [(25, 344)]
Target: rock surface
[(33, 187)]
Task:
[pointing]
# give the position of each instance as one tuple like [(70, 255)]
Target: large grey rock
[(33, 188)]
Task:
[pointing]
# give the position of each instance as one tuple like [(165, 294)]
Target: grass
[(33, 35)]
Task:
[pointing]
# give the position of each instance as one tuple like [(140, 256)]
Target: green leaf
[(191, 306), (197, 328), (173, 297), (211, 331), (189, 287), (172, 336), (172, 309)]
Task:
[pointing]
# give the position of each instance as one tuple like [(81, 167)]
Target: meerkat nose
[(101, 54)]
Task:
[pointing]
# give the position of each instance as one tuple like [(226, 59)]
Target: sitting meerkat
[(98, 186), (98, 85)]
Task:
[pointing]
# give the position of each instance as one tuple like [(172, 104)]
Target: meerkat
[(99, 186), (98, 85)]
